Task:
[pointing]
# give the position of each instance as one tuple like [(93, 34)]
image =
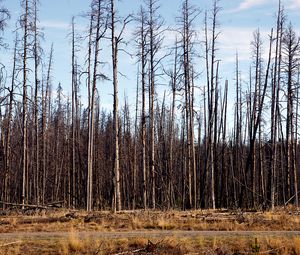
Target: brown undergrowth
[(75, 222)]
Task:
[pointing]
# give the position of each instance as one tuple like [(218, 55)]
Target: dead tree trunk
[(141, 35), (36, 112), (7, 149), (24, 103), (114, 42), (73, 188)]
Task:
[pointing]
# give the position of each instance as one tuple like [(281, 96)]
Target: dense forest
[(159, 154)]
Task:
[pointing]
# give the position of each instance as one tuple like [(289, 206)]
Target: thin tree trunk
[(36, 112), (91, 93)]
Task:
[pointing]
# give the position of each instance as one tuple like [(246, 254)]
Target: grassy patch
[(75, 244)]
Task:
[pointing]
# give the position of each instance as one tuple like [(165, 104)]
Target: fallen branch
[(55, 204), (98, 249), (7, 244), (131, 252), (290, 199), (273, 250)]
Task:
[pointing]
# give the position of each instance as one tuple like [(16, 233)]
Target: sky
[(238, 19)]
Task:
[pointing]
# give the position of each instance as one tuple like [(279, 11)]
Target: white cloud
[(55, 24), (248, 4), (293, 4), (237, 39)]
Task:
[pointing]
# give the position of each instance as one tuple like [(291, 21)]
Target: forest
[(165, 153)]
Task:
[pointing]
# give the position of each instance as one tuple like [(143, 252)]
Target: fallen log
[(44, 207), (25, 205)]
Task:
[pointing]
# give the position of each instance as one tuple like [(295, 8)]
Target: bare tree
[(275, 104), (189, 14), (114, 46), (141, 35), (24, 21), (256, 44), (98, 22), (7, 149), (212, 94), (290, 48), (155, 37), (37, 59)]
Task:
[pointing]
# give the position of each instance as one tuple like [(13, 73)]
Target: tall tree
[(155, 37), (37, 59), (116, 39), (257, 45), (141, 35), (211, 66), (189, 14), (98, 24), (273, 174), (114, 46)]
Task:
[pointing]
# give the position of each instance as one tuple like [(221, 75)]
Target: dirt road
[(144, 234)]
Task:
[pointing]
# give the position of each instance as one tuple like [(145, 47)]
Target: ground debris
[(92, 218), (149, 249), (72, 215)]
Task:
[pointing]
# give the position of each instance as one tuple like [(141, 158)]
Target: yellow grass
[(296, 241), (76, 244)]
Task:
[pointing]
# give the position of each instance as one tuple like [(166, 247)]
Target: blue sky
[(238, 20)]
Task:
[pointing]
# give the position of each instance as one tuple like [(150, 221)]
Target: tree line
[(186, 149)]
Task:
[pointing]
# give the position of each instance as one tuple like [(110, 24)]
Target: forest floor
[(150, 232)]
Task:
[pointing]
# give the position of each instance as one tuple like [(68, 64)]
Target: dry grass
[(76, 244), (62, 220)]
